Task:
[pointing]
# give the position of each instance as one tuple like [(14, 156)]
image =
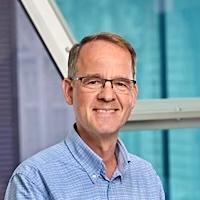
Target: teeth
[(105, 111)]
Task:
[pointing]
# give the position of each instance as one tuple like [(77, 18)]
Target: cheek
[(132, 99), (82, 103), (132, 102), (129, 104)]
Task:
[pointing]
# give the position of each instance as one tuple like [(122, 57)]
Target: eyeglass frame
[(103, 81)]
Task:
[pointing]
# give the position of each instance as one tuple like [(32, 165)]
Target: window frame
[(148, 114)]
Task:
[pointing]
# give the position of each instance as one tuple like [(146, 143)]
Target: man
[(92, 163)]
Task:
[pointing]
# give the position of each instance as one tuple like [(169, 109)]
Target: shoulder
[(30, 177), (144, 174), (44, 161), (142, 168), (138, 162)]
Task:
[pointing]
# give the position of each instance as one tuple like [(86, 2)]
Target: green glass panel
[(136, 20)]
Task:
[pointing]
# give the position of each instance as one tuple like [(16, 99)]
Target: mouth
[(100, 110)]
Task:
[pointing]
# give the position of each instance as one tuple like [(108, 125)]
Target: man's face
[(101, 112)]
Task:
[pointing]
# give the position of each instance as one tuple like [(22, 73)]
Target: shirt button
[(94, 176)]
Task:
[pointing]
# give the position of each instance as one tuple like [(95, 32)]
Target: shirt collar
[(122, 155), (90, 161)]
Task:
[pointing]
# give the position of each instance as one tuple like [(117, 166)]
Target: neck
[(107, 153), (105, 148)]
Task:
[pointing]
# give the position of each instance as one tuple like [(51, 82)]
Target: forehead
[(100, 45), (101, 56), (104, 58)]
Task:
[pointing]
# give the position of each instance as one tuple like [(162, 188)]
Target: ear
[(134, 93), (67, 90)]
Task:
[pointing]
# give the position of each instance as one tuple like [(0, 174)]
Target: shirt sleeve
[(162, 193), (21, 188)]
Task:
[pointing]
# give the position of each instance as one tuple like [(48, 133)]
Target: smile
[(105, 110)]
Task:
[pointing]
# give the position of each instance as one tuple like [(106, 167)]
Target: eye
[(121, 84), (92, 81)]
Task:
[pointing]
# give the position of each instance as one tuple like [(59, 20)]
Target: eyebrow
[(99, 76)]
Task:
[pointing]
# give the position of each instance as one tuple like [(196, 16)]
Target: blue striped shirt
[(70, 170)]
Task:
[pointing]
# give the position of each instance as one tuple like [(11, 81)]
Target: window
[(165, 35), (175, 155)]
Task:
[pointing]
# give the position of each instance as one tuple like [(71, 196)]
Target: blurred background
[(33, 114)]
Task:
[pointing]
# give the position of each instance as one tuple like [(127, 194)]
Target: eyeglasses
[(122, 85)]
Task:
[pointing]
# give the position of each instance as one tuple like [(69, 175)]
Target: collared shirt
[(70, 170)]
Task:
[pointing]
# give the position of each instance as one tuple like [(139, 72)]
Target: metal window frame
[(52, 29), (148, 114), (165, 114)]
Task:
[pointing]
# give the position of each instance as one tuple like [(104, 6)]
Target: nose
[(107, 80), (107, 93)]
